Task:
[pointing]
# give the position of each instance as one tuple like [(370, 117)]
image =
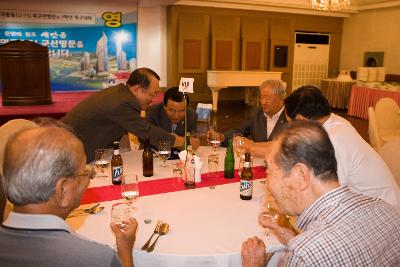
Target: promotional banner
[(86, 51)]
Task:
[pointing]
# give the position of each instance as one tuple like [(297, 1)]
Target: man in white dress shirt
[(359, 166), (268, 119)]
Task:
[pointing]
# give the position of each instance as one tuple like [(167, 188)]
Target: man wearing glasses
[(267, 120), (107, 115), (44, 176)]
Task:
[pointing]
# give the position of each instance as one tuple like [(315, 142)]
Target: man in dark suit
[(267, 120), (108, 114), (170, 115)]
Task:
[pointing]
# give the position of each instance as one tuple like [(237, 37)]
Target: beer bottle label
[(117, 173), (246, 188), (247, 164), (116, 151)]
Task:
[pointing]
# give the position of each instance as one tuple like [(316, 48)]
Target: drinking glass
[(102, 159), (164, 151), (268, 212), (120, 214), (213, 163), (214, 139), (239, 145), (130, 189)]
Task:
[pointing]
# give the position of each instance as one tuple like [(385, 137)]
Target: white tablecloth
[(207, 225)]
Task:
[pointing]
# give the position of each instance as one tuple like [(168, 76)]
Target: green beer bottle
[(229, 166)]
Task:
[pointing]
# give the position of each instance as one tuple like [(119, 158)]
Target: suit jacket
[(255, 127), (157, 116), (105, 116)]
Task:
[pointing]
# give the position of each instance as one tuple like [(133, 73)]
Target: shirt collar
[(326, 201), (35, 221), (276, 115), (329, 120)]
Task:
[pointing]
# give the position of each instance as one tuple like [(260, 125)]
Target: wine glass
[(102, 160), (130, 189), (164, 151), (268, 212), (214, 140)]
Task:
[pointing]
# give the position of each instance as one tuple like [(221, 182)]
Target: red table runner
[(159, 186)]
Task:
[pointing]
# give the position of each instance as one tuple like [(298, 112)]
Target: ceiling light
[(330, 5)]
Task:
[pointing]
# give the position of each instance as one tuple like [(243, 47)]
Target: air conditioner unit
[(311, 59)]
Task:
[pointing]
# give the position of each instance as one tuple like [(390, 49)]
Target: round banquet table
[(207, 224), (363, 97)]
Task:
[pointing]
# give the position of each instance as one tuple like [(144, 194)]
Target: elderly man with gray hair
[(267, 120), (339, 227), (44, 177)]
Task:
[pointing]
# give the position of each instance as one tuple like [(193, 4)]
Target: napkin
[(198, 164)]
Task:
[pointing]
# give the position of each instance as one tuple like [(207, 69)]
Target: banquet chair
[(373, 132), (8, 130), (390, 152), (387, 114)]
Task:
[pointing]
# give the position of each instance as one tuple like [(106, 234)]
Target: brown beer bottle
[(190, 169), (147, 159), (117, 168), (246, 180)]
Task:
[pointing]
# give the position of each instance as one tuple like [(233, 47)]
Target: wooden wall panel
[(225, 52), (280, 29), (253, 55), (193, 48), (335, 42), (254, 37), (223, 55), (282, 35), (192, 54), (274, 51), (241, 26)]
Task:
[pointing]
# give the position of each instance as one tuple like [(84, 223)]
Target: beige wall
[(152, 40), (372, 31)]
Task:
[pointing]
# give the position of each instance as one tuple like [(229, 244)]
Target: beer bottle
[(117, 168), (187, 143), (190, 169), (147, 159), (246, 180), (229, 166)]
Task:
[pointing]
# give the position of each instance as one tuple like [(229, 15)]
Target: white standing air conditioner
[(311, 59)]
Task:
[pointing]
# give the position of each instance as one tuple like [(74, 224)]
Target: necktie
[(173, 127)]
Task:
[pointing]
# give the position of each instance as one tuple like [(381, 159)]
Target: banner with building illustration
[(86, 51)]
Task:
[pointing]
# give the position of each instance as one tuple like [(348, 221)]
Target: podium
[(24, 74)]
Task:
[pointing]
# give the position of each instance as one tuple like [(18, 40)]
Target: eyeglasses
[(153, 95), (89, 172)]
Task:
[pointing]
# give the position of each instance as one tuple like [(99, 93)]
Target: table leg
[(214, 91)]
